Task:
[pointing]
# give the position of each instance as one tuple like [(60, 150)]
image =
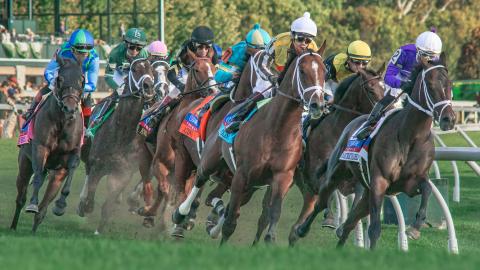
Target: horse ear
[(191, 54), (381, 69), (322, 48), (443, 59), (60, 60), (362, 73), (60, 81)]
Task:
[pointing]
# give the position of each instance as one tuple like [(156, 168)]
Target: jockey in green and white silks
[(122, 55), (80, 48), (235, 58)]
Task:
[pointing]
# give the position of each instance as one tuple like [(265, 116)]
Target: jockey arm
[(392, 79), (51, 72), (91, 77), (112, 75)]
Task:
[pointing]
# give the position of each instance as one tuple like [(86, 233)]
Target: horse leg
[(359, 211), (24, 173), (214, 199), (133, 199), (328, 217), (144, 186), (377, 192), (414, 231), (233, 209), (309, 201), (192, 215), (118, 183), (54, 183), (280, 186), (263, 219), (39, 158), (61, 203), (87, 196), (325, 192)]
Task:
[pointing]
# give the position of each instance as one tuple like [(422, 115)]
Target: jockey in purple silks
[(427, 46)]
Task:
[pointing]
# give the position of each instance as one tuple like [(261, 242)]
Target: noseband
[(139, 91)]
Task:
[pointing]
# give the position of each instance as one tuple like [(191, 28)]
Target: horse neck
[(415, 123), (244, 87), (127, 116), (354, 99)]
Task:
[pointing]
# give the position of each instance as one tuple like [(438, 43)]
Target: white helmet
[(429, 42), (304, 25)]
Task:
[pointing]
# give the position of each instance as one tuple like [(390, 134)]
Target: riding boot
[(106, 105), (36, 100), (241, 112), (305, 126), (374, 116)]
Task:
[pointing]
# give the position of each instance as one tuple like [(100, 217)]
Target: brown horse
[(355, 96), (268, 147), (55, 146), (211, 163), (114, 147), (399, 156), (169, 160)]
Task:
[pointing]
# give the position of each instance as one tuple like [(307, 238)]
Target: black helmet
[(202, 34)]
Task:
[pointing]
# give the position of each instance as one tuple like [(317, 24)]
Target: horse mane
[(345, 85)]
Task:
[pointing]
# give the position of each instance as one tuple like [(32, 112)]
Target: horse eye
[(301, 71)]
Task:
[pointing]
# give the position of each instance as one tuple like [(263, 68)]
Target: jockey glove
[(172, 77)]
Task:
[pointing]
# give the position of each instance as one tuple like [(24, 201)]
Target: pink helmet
[(158, 48)]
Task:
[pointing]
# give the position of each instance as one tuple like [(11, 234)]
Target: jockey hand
[(273, 79), (87, 99), (125, 67)]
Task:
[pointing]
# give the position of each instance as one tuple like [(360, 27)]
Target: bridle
[(160, 83), (299, 86), (431, 105), (139, 90)]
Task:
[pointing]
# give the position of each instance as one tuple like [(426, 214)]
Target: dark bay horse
[(399, 156), (268, 147), (114, 147), (55, 147), (211, 163), (167, 163)]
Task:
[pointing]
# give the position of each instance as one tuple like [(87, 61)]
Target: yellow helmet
[(359, 50)]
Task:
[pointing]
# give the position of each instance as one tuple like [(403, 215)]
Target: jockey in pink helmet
[(157, 50)]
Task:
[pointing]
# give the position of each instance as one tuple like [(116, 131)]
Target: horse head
[(160, 69), (69, 86), (139, 81), (432, 92), (309, 80), (201, 74), (371, 88)]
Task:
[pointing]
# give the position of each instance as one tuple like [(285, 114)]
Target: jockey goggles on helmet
[(430, 56), (358, 61), (299, 37), (82, 48), (202, 45), (134, 47)]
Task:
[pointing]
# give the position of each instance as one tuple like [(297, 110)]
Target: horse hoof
[(293, 237), (57, 211), (329, 223), (32, 208), (96, 232), (269, 239), (339, 231), (413, 233), (178, 218), (190, 224), (148, 222), (178, 232)]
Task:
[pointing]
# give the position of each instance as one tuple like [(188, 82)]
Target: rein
[(136, 83), (430, 110)]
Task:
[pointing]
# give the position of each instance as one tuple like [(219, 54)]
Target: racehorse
[(268, 147), (210, 162), (400, 155), (55, 147), (168, 161), (114, 146), (355, 96)]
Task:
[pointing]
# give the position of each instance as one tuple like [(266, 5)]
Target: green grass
[(68, 242)]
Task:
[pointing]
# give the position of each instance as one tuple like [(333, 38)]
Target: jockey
[(157, 51), (236, 57), (121, 56), (275, 59), (79, 47), (200, 43), (118, 65), (428, 46), (341, 65)]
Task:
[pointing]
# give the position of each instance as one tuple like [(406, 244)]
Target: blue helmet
[(257, 37), (82, 40), (217, 49)]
